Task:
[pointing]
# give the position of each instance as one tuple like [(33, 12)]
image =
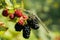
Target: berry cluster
[(32, 22), (24, 23), (6, 13)]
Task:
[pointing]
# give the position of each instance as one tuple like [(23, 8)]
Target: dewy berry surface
[(26, 31), (5, 13), (18, 13)]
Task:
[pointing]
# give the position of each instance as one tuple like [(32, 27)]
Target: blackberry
[(33, 22), (35, 26), (26, 31), (18, 27), (5, 13)]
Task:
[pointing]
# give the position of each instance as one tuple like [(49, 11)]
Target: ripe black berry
[(35, 26), (33, 22), (26, 31), (5, 13), (18, 27)]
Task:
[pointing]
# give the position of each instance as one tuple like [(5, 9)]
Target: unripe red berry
[(21, 21), (5, 12), (25, 17), (11, 16), (18, 13)]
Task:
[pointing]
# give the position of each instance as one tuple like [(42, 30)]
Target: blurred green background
[(47, 10)]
